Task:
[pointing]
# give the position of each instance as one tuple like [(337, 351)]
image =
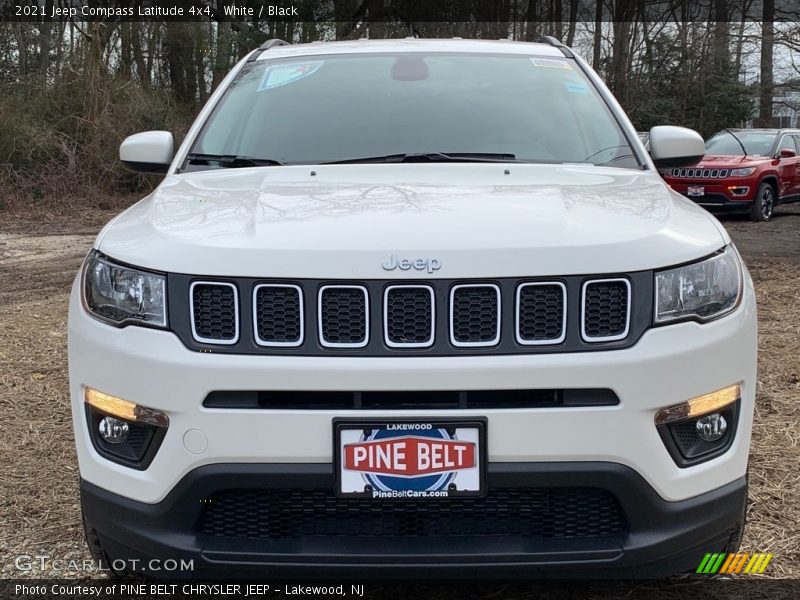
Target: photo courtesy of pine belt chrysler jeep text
[(413, 306)]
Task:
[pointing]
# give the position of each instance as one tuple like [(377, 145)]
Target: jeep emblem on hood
[(404, 264)]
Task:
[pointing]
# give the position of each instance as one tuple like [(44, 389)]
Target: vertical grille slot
[(605, 314), (541, 313), (475, 315), (278, 315), (408, 316), (343, 319), (215, 312)]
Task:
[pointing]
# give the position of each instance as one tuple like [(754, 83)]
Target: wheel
[(763, 203)]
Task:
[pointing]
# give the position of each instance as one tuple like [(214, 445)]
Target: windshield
[(462, 106), (758, 143)]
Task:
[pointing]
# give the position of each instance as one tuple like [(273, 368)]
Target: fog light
[(124, 409), (122, 431), (711, 427), (113, 431), (699, 406), (701, 428)]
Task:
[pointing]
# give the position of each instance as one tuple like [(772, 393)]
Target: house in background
[(785, 106)]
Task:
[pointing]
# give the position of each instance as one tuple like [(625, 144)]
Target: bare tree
[(767, 46)]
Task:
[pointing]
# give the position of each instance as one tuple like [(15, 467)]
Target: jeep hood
[(734, 161), (476, 219)]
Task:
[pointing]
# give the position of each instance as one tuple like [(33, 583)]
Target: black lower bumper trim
[(660, 537), (721, 203)]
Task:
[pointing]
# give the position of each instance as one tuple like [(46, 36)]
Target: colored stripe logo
[(731, 563)]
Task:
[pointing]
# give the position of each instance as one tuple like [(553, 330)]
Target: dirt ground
[(39, 512)]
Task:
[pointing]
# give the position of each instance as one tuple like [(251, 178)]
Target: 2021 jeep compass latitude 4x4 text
[(413, 305)]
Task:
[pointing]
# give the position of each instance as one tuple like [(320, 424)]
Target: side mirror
[(675, 146), (147, 152), (786, 153)]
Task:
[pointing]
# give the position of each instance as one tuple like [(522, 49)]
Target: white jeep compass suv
[(418, 305)]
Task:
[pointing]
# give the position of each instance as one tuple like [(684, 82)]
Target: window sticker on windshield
[(278, 75), (551, 63), (576, 87)]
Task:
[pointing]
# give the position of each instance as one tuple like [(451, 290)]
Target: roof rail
[(556, 43), (274, 42)]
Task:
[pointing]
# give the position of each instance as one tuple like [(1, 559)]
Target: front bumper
[(717, 195), (657, 538), (666, 366)]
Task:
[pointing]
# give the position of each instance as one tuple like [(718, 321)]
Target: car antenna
[(744, 150)]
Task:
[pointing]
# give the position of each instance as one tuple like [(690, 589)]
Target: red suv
[(744, 170)]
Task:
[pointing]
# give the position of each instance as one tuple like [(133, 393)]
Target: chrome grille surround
[(606, 338), (209, 340), (697, 173), (386, 333), (478, 344), (301, 316), (518, 314), (320, 310)]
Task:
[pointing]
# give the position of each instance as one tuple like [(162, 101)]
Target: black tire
[(763, 203)]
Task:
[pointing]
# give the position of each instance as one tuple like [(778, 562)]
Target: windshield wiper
[(736, 137), (591, 156), (429, 157), (232, 160)]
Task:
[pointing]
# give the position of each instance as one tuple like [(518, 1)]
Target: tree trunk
[(180, 63), (598, 35), (377, 19), (573, 18), (740, 39), (622, 14), (45, 28), (556, 17), (222, 58), (138, 55), (767, 43), (531, 25), (721, 41), (125, 49)]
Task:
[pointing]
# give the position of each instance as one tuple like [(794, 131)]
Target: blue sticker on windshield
[(576, 87), (282, 74)]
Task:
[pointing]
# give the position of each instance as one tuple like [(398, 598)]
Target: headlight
[(700, 291), (742, 172), (122, 294)]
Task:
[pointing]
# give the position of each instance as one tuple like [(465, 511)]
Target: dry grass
[(39, 510), (774, 511)]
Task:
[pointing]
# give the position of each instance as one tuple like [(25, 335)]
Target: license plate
[(410, 458), (696, 190)]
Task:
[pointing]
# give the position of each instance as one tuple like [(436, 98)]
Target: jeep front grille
[(278, 314), (606, 309), (215, 312), (343, 318), (475, 315), (697, 173), (408, 316), (519, 514), (541, 313), (411, 318), (409, 400)]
